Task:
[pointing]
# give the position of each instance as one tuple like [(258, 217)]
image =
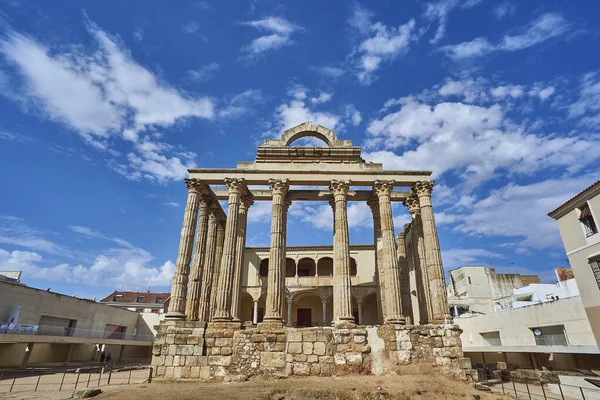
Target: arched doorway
[(307, 310), (263, 271), (246, 307), (369, 310)]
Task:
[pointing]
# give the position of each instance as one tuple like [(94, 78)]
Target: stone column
[(342, 298), (285, 207), (435, 271), (209, 263), (404, 279), (324, 312), (419, 259), (245, 203), (217, 267), (255, 312), (289, 312), (360, 311), (383, 189), (276, 275), (186, 243), (197, 270), (379, 270), (235, 187), (412, 277)]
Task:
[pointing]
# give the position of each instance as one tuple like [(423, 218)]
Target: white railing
[(49, 330)]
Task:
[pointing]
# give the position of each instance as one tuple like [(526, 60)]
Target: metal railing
[(71, 379), (49, 330), (533, 389)]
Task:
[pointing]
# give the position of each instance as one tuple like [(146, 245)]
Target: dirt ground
[(414, 386)]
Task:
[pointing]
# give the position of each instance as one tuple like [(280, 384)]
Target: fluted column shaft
[(197, 270), (404, 279), (412, 278), (245, 203), (276, 274), (184, 256), (383, 189), (378, 252), (217, 268), (342, 297), (228, 260), (433, 256), (209, 263)]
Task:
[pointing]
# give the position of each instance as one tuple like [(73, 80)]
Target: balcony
[(313, 281), (63, 334)]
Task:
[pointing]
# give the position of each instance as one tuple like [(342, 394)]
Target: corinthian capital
[(196, 185), (279, 186), (412, 203), (423, 188), (339, 187), (235, 185), (383, 188), (246, 202)]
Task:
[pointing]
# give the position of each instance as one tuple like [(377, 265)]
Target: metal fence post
[(88, 382), (77, 381), (100, 376), (502, 383), (150, 375), (582, 395), (543, 391), (37, 383), (129, 380), (562, 396), (109, 375), (527, 386), (13, 384), (514, 387), (62, 381)]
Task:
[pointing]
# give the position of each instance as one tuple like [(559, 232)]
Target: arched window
[(290, 268), (264, 268), (325, 266), (306, 267)]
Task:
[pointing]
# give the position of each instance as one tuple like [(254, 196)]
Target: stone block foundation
[(193, 350)]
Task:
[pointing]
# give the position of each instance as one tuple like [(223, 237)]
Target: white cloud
[(360, 19), (240, 104), (17, 232), (279, 32), (475, 142), (99, 92), (297, 111), (321, 216), (456, 258), (172, 204), (504, 10), (16, 137), (353, 115), (514, 91), (330, 72), (545, 27), (138, 34), (190, 27), (587, 106), (202, 74), (260, 211), (519, 211), (439, 11), (323, 97), (384, 44)]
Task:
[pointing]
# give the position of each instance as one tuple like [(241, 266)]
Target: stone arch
[(246, 307), (307, 267), (308, 129), (311, 305), (325, 266), (290, 268)]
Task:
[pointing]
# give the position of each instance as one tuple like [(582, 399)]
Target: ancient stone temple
[(311, 310)]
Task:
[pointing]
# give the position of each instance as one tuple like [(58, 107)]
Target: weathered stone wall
[(190, 351)]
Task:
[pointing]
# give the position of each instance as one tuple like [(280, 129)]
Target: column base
[(270, 324), (344, 323), (175, 315), (224, 325), (396, 320)]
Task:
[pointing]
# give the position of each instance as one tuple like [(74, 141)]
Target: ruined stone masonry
[(210, 331)]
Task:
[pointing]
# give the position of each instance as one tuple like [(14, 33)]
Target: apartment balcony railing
[(48, 330)]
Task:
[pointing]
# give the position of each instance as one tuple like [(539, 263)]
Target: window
[(469, 280), (140, 299), (264, 268), (595, 264), (159, 299), (117, 297), (587, 220), (492, 338), (114, 331), (550, 335)]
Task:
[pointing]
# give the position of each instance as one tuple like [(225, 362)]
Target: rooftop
[(136, 297), (573, 202)]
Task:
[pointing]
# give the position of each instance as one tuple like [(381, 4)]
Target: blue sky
[(103, 106)]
